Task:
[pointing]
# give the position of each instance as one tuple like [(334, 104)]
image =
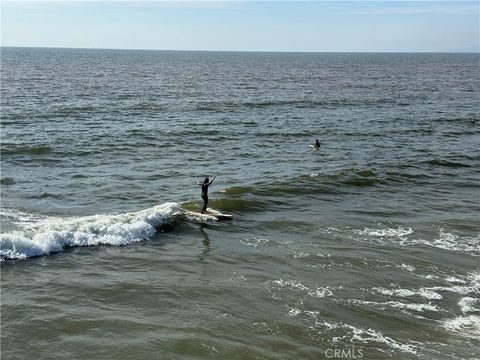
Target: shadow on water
[(205, 241)]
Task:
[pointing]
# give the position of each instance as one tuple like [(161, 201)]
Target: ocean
[(368, 247)]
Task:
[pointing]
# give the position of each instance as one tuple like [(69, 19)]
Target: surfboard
[(217, 216)]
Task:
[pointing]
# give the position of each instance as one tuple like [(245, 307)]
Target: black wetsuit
[(205, 196)]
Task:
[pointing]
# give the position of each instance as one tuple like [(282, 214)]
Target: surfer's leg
[(205, 203)]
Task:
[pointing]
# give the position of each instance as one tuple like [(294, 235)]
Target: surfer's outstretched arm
[(212, 180)]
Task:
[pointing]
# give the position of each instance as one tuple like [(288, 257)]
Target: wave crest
[(54, 234)]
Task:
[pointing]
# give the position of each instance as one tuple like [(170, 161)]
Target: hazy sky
[(245, 25)]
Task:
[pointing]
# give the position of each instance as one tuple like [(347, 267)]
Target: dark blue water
[(370, 243)]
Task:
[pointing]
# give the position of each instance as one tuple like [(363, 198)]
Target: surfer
[(206, 183), (317, 144)]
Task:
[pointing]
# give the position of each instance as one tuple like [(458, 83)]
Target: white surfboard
[(217, 216)]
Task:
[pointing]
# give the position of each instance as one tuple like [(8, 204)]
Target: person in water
[(317, 144), (206, 183)]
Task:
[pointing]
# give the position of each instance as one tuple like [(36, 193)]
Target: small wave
[(79, 176), (468, 304), (318, 292), (298, 103), (237, 190), (418, 307), (221, 105), (308, 256), (230, 205), (238, 204), (468, 285), (19, 218), (388, 232), (368, 336), (365, 173), (453, 279), (25, 150), (450, 241), (254, 241), (446, 163), (7, 181), (292, 312), (75, 109), (426, 293), (468, 326), (408, 267), (403, 237), (315, 183), (248, 123), (46, 195), (360, 181), (53, 234), (147, 105), (360, 178)]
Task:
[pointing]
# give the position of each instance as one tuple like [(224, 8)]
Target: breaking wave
[(40, 236)]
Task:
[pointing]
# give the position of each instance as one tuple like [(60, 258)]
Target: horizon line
[(245, 51)]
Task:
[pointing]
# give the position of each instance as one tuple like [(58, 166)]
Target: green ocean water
[(368, 245)]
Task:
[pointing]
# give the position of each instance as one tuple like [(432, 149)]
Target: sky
[(311, 26)]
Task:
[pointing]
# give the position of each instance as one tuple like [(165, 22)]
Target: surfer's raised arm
[(210, 183)]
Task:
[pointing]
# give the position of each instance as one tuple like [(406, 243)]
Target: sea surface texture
[(369, 245)]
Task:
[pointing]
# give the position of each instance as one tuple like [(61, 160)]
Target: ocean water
[(369, 245)]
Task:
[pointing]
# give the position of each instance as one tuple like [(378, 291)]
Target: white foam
[(467, 304), (319, 292), (369, 336), (429, 276), (430, 294), (468, 326), (312, 313), (453, 279), (388, 232), (54, 234), (451, 241), (254, 241), (302, 255), (294, 312), (292, 284), (415, 307), (394, 292), (470, 284), (402, 236), (423, 292), (19, 218), (396, 304), (408, 267)]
